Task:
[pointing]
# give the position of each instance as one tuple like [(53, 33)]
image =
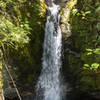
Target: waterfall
[(49, 84)]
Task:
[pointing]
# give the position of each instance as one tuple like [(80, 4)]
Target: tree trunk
[(1, 81)]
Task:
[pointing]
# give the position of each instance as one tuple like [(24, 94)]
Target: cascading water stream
[(49, 83)]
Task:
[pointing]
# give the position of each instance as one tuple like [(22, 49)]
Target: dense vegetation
[(85, 27), (21, 37), (21, 32)]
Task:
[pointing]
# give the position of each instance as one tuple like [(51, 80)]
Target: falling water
[(49, 83)]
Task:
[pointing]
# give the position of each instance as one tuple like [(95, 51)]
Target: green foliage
[(13, 31), (4, 3), (12, 35), (21, 37), (83, 14), (71, 4), (96, 51), (74, 11), (85, 21), (93, 51), (93, 66)]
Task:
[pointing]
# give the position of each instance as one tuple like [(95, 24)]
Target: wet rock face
[(59, 2), (10, 94), (65, 27), (48, 2)]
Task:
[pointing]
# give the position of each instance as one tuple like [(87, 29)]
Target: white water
[(49, 85)]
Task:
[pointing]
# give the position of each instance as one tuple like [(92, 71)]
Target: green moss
[(87, 84)]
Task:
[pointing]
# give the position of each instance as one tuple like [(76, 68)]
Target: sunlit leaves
[(86, 66), (74, 11), (4, 3), (93, 66), (15, 36), (93, 51), (71, 3), (97, 51), (83, 14), (43, 9), (90, 50)]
